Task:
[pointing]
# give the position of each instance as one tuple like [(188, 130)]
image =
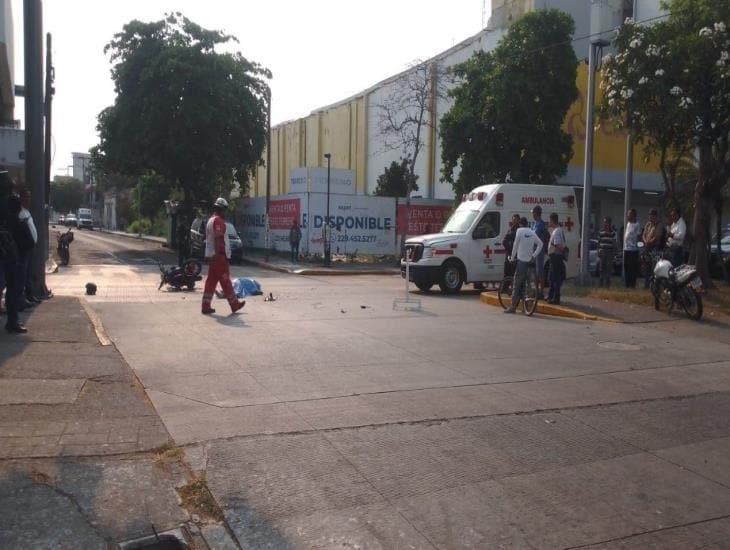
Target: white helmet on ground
[(220, 202)]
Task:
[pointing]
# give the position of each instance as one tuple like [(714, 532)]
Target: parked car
[(197, 240), (71, 220)]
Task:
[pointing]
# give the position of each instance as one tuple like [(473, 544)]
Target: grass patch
[(196, 498)]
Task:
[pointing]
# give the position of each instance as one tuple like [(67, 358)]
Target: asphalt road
[(97, 248), (329, 419)]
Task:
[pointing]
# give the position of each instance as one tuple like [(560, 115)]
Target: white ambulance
[(469, 248)]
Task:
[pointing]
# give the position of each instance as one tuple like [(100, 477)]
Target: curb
[(549, 309), (318, 272)]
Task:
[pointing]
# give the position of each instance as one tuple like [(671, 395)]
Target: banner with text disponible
[(250, 221), (357, 223)]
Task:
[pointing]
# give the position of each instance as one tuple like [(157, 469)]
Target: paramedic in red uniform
[(217, 254)]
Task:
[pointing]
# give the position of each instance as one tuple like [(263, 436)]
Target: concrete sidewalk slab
[(282, 266), (16, 391)]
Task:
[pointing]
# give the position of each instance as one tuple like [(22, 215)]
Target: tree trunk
[(702, 218)]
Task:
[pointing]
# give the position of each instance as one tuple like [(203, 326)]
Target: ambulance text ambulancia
[(469, 248)]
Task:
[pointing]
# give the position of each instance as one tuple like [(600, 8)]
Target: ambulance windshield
[(460, 221)]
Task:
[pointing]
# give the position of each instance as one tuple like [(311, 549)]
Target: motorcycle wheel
[(662, 295), (691, 302), (191, 285)]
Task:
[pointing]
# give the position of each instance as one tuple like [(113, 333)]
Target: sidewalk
[(151, 238), (284, 265), (85, 460)]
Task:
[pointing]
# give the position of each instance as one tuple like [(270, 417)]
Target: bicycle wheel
[(532, 293), (504, 292)]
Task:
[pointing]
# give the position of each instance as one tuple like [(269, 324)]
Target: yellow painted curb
[(549, 309)]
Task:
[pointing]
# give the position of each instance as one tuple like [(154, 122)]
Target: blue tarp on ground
[(245, 286)]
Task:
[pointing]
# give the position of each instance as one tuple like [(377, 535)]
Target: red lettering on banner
[(423, 219), (283, 212)]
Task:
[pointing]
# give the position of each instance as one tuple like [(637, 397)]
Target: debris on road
[(90, 289)]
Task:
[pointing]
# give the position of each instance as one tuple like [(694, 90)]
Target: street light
[(327, 231)]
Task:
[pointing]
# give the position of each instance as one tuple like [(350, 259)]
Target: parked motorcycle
[(681, 285), (64, 240), (177, 277)]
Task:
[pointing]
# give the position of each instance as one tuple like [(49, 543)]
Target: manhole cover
[(619, 346)]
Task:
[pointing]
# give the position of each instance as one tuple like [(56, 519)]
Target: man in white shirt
[(631, 249), (527, 247), (677, 234), (556, 252), (26, 298)]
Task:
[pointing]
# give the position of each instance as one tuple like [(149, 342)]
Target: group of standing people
[(18, 238), (525, 245), (653, 237)]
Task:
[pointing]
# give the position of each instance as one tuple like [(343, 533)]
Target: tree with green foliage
[(67, 194), (509, 107), (669, 83), (184, 111), (396, 180)]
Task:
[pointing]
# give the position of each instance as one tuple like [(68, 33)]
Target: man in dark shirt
[(606, 251), (508, 243), (9, 227)]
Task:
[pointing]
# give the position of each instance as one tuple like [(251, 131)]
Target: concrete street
[(327, 418)]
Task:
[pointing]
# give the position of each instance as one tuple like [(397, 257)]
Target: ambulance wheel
[(452, 277), (424, 287)]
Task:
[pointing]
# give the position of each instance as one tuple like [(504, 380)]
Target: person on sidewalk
[(527, 248), (540, 229), (652, 241), (295, 236), (556, 252), (677, 234), (28, 296), (9, 256), (631, 249), (508, 243), (24, 242), (606, 248), (217, 255)]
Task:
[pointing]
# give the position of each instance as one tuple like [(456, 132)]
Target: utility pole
[(326, 226), (34, 162), (268, 170), (593, 53), (48, 112)]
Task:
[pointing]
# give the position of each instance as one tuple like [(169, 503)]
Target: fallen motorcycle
[(64, 240), (681, 285), (177, 277)]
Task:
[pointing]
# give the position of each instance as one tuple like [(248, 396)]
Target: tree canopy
[(670, 84), (509, 107), (183, 111), (396, 180), (67, 194)]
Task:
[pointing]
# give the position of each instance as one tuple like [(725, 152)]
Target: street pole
[(34, 163), (268, 170), (585, 276), (327, 228), (47, 147), (139, 207), (629, 186)]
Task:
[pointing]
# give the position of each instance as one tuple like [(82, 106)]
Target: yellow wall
[(609, 144), (343, 131)]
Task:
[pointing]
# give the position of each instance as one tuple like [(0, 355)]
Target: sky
[(319, 51)]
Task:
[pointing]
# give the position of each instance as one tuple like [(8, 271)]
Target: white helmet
[(221, 202), (662, 269)]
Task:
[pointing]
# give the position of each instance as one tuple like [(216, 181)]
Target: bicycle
[(531, 294)]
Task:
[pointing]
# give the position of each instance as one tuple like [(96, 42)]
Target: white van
[(469, 248)]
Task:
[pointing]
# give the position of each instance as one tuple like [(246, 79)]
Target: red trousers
[(218, 272)]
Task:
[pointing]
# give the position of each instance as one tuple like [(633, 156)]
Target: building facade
[(12, 138), (349, 129)]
